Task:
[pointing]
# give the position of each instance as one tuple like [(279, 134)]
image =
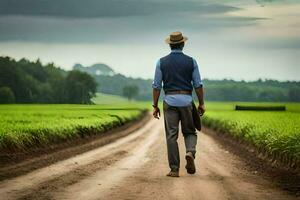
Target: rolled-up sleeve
[(197, 81), (157, 82)]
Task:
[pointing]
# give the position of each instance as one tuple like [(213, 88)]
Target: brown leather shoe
[(173, 173), (190, 164)]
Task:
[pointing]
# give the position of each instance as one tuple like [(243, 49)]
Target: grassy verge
[(26, 126), (275, 133), (102, 98)]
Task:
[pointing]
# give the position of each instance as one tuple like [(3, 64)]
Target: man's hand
[(156, 112), (201, 109)]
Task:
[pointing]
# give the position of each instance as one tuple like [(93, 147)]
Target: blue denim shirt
[(178, 100)]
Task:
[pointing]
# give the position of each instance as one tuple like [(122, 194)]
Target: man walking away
[(179, 74)]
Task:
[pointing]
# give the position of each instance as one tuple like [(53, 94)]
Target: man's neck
[(176, 51)]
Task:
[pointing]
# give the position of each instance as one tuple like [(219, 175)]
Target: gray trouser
[(172, 116)]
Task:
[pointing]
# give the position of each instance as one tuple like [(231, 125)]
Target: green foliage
[(102, 98), (26, 126), (80, 87), (95, 69), (276, 132), (31, 82), (263, 91), (111, 85), (130, 91), (6, 95), (294, 94), (215, 90)]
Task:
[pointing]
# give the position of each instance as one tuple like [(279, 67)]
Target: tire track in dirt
[(101, 182), (220, 175), (23, 186), (46, 189), (134, 167), (25, 162)]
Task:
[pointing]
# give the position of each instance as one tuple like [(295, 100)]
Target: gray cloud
[(89, 31), (106, 8), (279, 43), (265, 2), (104, 21), (45, 29)]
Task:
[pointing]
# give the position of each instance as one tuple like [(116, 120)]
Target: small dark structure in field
[(261, 108)]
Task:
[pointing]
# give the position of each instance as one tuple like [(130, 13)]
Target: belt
[(178, 92)]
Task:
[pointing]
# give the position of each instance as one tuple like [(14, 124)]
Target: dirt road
[(134, 167)]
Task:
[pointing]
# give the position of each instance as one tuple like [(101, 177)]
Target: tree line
[(215, 90), (260, 90), (24, 81)]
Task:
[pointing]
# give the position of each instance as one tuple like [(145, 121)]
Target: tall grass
[(24, 126), (278, 133)]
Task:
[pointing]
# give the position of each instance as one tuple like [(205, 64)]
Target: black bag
[(196, 117)]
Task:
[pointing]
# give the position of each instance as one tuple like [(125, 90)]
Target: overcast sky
[(229, 39)]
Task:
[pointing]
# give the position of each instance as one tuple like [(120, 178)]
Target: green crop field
[(24, 126), (102, 98), (275, 132)]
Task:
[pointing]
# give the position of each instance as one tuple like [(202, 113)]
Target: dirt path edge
[(260, 162), (16, 164)]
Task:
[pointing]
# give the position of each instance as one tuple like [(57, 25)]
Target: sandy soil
[(134, 167)]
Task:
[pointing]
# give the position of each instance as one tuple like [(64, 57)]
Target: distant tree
[(6, 95), (130, 91), (79, 87), (294, 94), (33, 82)]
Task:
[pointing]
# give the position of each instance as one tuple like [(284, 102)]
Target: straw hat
[(175, 38)]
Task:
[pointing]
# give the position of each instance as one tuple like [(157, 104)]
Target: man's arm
[(200, 94), (156, 94), (198, 85), (156, 110), (156, 85)]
